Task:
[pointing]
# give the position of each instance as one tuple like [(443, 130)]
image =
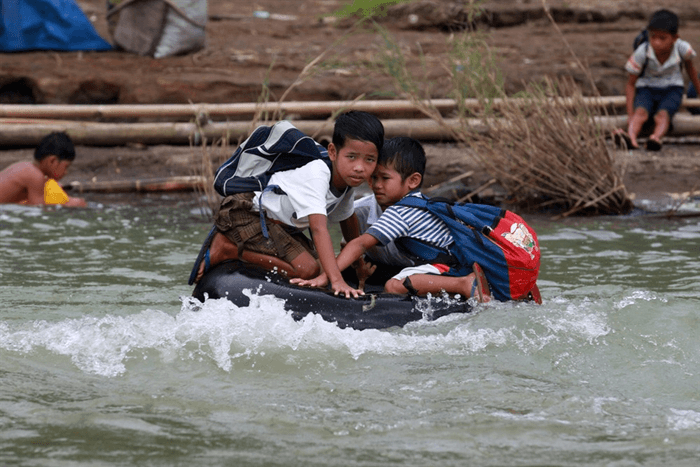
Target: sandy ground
[(243, 51)]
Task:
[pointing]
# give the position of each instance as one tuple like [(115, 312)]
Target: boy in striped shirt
[(399, 173)]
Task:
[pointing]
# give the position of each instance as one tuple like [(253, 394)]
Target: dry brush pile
[(549, 152), (545, 148)]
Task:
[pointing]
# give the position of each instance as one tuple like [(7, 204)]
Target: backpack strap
[(646, 60), (420, 251), (263, 224), (467, 218)]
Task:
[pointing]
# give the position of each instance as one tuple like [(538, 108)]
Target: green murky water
[(101, 363)]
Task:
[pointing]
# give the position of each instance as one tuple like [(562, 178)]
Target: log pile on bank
[(535, 170), (104, 125)]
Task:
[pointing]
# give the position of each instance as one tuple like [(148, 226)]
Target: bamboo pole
[(29, 132), (306, 109), (381, 108), (180, 183)]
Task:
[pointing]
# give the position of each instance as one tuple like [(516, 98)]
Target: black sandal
[(623, 141), (653, 145)]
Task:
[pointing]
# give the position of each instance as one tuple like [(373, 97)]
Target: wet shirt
[(655, 74), (307, 191), (406, 221), (368, 212)]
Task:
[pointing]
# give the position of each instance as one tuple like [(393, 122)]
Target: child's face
[(55, 168), (353, 164), (388, 187), (661, 41)]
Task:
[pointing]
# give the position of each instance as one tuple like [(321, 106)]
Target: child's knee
[(641, 112), (662, 115), (310, 271), (306, 266), (394, 286)]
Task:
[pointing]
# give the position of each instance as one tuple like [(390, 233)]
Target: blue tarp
[(46, 25)]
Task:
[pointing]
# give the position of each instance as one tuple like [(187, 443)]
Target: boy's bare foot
[(623, 140), (536, 295), (220, 249), (480, 288)]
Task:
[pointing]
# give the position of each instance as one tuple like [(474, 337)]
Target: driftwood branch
[(456, 178)]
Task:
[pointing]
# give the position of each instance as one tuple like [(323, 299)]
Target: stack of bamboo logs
[(25, 125)]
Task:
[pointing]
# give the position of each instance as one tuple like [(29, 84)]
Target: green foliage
[(368, 8), (390, 61), (474, 71)]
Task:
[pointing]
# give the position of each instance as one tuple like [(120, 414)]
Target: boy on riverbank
[(399, 175), (311, 196), (36, 182), (655, 85)]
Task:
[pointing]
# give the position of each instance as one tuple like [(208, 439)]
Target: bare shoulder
[(25, 170), (19, 180)]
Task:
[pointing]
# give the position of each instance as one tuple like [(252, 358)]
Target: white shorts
[(435, 269)]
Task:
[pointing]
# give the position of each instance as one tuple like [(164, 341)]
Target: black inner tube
[(374, 310)]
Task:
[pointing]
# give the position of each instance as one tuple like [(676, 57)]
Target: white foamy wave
[(222, 333), (684, 420), (95, 345), (636, 296), (575, 320)]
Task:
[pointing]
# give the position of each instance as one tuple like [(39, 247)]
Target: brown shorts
[(239, 223)]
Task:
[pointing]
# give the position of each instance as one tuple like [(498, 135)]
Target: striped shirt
[(655, 74), (405, 221)]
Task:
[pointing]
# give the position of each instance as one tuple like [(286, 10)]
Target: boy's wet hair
[(360, 126), (664, 20), (405, 155), (56, 144)]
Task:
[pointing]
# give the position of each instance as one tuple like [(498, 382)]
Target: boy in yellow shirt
[(36, 182)]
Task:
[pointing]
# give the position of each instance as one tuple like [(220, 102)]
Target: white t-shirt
[(307, 191), (655, 74)]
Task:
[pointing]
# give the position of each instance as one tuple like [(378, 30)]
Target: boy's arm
[(634, 67), (351, 230), (35, 187), (693, 72), (630, 92), (76, 202), (350, 227), (318, 224), (352, 251)]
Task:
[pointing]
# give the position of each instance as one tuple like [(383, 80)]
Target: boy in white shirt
[(655, 84), (313, 195)]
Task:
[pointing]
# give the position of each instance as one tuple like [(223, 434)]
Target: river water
[(104, 361)]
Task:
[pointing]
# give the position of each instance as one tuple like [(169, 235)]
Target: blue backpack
[(267, 150), (498, 240)]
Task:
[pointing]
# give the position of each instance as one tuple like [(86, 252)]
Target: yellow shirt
[(53, 193)]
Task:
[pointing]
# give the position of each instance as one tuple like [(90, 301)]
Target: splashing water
[(105, 359)]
